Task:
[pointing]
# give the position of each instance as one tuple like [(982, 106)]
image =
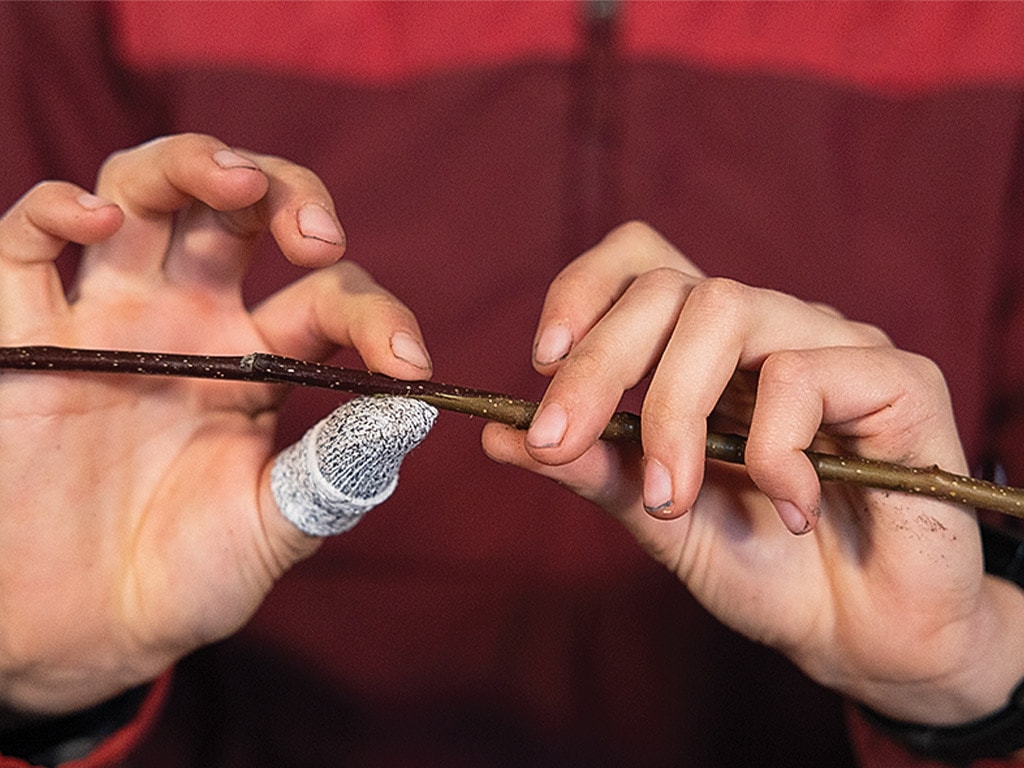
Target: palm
[(884, 597), (156, 527), (821, 597), (140, 508)]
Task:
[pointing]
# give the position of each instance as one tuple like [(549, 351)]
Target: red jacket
[(865, 155)]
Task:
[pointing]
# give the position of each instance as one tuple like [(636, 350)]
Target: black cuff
[(996, 735), (1004, 553), (52, 741)]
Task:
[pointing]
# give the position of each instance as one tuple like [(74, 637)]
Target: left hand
[(884, 596), (140, 507)]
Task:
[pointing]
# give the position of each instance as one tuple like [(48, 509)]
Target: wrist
[(966, 674), (997, 735)]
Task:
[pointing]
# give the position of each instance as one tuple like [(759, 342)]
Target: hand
[(138, 521), (883, 597)]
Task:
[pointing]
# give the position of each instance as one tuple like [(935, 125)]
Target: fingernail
[(792, 517), (406, 348), (92, 202), (657, 489), (553, 345), (548, 427), (229, 160), (316, 223)]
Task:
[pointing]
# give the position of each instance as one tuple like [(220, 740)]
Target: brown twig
[(274, 369)]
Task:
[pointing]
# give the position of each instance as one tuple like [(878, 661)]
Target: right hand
[(137, 521), (883, 597)]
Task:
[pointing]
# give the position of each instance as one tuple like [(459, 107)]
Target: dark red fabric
[(483, 616)]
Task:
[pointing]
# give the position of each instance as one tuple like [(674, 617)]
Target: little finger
[(33, 233), (886, 404)]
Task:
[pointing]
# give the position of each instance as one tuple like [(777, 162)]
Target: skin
[(880, 596), (137, 571)]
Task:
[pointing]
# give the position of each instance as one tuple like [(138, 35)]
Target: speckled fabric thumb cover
[(348, 463)]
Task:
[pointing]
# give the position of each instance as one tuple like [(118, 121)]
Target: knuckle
[(182, 143), (564, 280), (657, 415), (664, 279), (38, 195), (786, 369), (43, 189), (575, 284), (641, 238), (35, 217), (294, 175), (663, 289), (861, 334), (721, 291), (759, 456), (635, 231), (346, 281), (586, 363), (117, 163), (113, 163), (385, 305), (722, 298), (365, 296), (925, 370), (867, 335), (188, 141), (828, 309), (346, 274)]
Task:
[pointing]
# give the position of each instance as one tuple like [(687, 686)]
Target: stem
[(274, 369)]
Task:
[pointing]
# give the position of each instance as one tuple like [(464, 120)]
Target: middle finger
[(154, 181)]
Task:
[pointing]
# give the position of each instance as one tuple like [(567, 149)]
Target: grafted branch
[(274, 369)]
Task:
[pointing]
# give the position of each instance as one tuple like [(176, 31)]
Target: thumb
[(347, 464)]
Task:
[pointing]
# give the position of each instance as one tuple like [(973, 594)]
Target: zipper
[(595, 129)]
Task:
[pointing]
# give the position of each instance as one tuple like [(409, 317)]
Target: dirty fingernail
[(657, 489), (229, 160), (406, 348), (792, 517), (316, 223), (553, 345), (548, 427)]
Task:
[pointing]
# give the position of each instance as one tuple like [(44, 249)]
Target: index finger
[(583, 292)]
